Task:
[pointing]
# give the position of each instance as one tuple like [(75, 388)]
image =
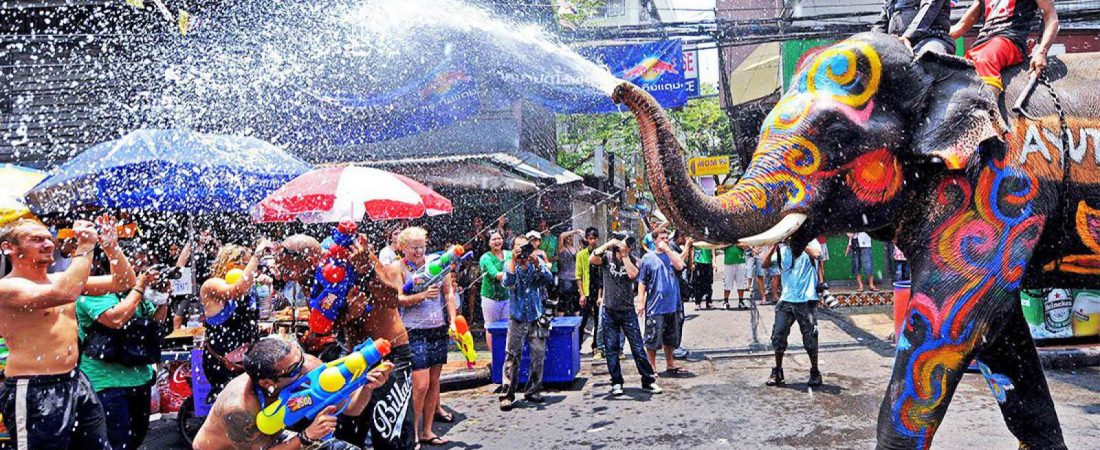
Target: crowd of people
[(101, 302)]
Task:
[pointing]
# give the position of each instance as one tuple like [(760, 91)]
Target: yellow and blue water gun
[(327, 385)]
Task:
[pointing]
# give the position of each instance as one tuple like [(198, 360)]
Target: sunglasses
[(295, 369), (293, 253)]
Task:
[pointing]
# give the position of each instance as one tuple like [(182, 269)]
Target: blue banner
[(436, 98), (657, 67)]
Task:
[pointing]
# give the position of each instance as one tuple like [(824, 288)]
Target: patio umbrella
[(15, 181), (168, 170), (346, 193)]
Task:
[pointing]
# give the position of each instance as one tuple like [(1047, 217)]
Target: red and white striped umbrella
[(346, 193)]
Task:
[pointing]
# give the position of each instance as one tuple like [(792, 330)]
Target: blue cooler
[(200, 388), (563, 354)]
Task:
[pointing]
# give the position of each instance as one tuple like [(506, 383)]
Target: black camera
[(526, 250), (166, 272)]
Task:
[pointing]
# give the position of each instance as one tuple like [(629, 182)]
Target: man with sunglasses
[(271, 365)]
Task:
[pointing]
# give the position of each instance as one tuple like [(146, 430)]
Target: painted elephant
[(870, 139)]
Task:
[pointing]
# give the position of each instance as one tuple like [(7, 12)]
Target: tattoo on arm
[(240, 427)]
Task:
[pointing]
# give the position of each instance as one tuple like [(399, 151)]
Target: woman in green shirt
[(123, 390), (494, 298)]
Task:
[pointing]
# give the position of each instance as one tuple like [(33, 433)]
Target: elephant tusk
[(786, 227)]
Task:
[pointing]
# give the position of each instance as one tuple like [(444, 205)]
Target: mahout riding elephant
[(869, 138)]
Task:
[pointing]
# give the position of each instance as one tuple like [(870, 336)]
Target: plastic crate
[(563, 355)]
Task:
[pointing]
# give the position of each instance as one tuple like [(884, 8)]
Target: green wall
[(839, 267)]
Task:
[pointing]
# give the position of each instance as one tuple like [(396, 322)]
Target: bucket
[(1032, 304), (1086, 314), (902, 291)]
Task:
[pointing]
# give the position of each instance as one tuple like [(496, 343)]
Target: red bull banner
[(657, 67)]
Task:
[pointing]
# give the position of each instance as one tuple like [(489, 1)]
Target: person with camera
[(271, 365), (797, 303), (46, 403), (618, 316), (525, 276), (121, 343), (231, 312)]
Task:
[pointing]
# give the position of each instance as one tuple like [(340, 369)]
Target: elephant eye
[(840, 133)]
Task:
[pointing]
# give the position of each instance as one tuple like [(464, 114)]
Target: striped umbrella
[(15, 182), (347, 193)]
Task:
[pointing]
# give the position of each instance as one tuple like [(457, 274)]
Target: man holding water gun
[(272, 365)]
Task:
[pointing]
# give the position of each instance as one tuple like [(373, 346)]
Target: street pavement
[(723, 403)]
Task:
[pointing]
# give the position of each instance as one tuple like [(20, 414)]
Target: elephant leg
[(927, 369), (1011, 365)]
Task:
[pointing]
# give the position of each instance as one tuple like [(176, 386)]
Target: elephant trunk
[(724, 219)]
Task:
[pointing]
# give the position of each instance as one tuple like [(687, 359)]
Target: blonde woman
[(423, 315), (231, 313)]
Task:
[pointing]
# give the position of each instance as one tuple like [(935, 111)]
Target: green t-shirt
[(106, 375), (490, 267), (704, 256), (733, 255), (550, 246)]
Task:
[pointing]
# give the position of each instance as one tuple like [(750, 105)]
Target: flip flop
[(444, 417), (435, 441), (675, 370)]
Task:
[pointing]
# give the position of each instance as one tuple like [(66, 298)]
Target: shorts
[(494, 310), (786, 314), (736, 276), (993, 56), (662, 330), (388, 420), (862, 261), (53, 412), (429, 347)]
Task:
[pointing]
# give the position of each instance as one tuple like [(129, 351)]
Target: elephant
[(871, 138)]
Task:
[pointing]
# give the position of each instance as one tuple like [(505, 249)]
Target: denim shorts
[(429, 347)]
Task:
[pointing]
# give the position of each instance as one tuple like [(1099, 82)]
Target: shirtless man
[(271, 365), (45, 401), (390, 416)]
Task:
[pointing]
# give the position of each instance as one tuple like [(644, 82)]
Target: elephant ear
[(954, 112)]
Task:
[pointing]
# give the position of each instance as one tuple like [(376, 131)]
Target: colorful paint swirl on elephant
[(843, 78), (980, 252)]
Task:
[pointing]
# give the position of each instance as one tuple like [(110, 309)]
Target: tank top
[(423, 315), (233, 326), (1011, 19), (567, 264)]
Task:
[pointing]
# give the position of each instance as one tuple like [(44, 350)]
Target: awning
[(518, 171), (757, 75)]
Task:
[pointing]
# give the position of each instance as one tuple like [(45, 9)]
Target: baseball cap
[(533, 235)]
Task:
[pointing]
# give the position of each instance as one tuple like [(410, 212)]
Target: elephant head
[(834, 152)]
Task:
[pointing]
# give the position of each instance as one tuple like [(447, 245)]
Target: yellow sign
[(713, 165), (722, 189)]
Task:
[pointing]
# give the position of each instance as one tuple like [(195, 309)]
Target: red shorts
[(992, 56)]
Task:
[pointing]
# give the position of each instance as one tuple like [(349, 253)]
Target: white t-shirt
[(864, 240), (387, 255)]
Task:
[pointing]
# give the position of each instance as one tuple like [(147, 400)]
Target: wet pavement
[(722, 402)]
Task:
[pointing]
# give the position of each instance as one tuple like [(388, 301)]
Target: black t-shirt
[(618, 287), (1010, 19)]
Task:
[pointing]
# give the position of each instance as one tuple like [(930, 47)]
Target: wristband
[(306, 441)]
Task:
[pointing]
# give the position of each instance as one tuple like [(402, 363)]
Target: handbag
[(136, 343)]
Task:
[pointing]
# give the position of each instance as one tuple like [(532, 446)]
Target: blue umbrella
[(168, 170)]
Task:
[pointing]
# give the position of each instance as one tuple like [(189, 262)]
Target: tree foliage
[(703, 128)]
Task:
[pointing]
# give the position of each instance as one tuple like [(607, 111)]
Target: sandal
[(435, 441), (444, 417), (675, 370)]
